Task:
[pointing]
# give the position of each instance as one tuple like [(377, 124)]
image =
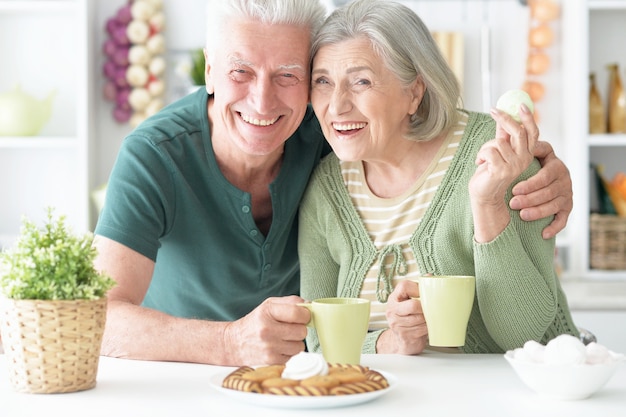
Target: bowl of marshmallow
[(564, 368)]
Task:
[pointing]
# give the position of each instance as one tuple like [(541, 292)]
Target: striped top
[(390, 222)]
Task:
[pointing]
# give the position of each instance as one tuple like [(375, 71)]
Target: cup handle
[(311, 323)]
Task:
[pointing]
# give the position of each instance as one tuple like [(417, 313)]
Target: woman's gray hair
[(306, 13), (407, 48)]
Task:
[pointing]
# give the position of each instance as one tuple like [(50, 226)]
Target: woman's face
[(361, 105)]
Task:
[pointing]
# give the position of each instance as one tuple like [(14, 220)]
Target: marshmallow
[(597, 353), (535, 351), (565, 349)]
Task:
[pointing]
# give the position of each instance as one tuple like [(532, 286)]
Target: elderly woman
[(417, 186)]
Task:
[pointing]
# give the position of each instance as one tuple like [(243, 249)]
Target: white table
[(429, 385)]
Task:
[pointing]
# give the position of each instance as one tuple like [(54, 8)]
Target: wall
[(506, 21), (608, 327)]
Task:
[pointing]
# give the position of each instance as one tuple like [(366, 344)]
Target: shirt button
[(267, 267), (245, 209), (253, 233)]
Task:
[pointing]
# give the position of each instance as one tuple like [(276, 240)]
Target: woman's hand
[(499, 162), (407, 333)]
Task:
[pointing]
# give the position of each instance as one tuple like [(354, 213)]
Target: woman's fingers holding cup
[(405, 290)]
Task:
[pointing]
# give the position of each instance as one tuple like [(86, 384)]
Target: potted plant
[(52, 308), (198, 67)]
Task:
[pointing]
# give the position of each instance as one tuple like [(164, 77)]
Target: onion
[(139, 98), (156, 44), (534, 89), (120, 57), (112, 25), (109, 47), (142, 10), (121, 115), (124, 15), (137, 118), (122, 96), (120, 78), (544, 10), (154, 106), (537, 63), (156, 4), (157, 66), (137, 75), (109, 91), (540, 36), (156, 88), (139, 54), (120, 37), (138, 31), (157, 22), (110, 69)]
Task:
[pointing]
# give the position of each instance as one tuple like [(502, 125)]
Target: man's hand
[(547, 192), (271, 334)]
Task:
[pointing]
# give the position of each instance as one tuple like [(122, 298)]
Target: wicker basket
[(607, 242), (52, 346)]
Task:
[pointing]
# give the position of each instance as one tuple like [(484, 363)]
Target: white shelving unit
[(593, 34), (45, 47)]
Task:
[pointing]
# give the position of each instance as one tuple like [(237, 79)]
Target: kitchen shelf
[(39, 142), (606, 5), (46, 49), (607, 140), (592, 37), (37, 6)]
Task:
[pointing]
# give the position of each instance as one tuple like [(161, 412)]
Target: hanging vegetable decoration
[(540, 37), (135, 66)]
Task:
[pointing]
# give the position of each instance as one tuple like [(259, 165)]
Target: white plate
[(288, 401)]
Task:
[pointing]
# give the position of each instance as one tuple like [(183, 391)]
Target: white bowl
[(564, 382)]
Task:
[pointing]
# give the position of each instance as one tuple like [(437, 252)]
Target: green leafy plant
[(52, 263), (197, 67)]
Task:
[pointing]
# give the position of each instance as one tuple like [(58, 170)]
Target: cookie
[(271, 368), (261, 374), (298, 390), (342, 367), (240, 384), (278, 383), (356, 388), (320, 381), (348, 376), (372, 375), (240, 371)]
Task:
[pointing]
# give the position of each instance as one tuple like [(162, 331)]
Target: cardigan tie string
[(386, 272)]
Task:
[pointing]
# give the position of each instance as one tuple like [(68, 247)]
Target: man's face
[(260, 79)]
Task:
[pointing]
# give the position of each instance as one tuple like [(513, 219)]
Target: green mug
[(447, 302), (341, 324)]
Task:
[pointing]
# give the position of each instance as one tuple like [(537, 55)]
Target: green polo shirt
[(168, 200)]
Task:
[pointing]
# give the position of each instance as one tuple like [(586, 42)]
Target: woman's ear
[(208, 80), (417, 90)]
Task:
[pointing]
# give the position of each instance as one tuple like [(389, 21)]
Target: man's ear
[(208, 79)]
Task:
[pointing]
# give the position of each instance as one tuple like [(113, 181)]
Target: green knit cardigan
[(518, 295)]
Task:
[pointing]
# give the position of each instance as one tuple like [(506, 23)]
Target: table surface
[(430, 384)]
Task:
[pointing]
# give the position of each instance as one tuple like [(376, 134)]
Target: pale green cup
[(341, 325), (447, 303)]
